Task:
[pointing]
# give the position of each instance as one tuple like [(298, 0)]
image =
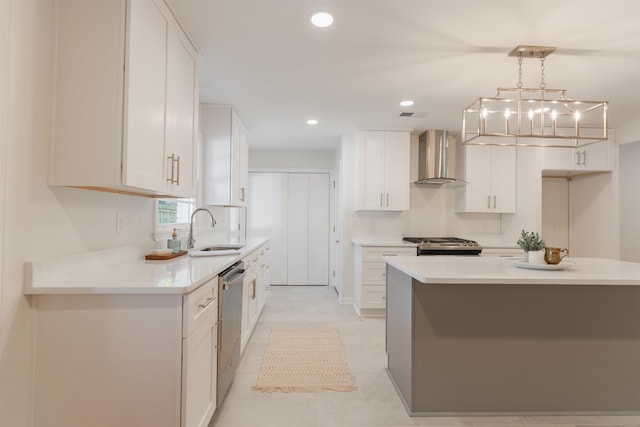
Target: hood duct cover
[(436, 157)]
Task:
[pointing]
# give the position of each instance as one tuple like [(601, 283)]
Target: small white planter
[(535, 257)]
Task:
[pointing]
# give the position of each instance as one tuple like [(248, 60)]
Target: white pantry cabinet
[(596, 157), (383, 175), (125, 99), (370, 272), (225, 156), (490, 172), (108, 360)]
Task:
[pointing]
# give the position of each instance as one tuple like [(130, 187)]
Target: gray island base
[(484, 349)]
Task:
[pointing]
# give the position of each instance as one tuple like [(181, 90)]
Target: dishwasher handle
[(236, 280), (232, 276)]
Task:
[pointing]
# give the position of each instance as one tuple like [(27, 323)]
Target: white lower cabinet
[(249, 302), (371, 277), (255, 290), (199, 356), (125, 360)]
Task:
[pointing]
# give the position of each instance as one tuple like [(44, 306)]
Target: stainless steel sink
[(213, 250), (221, 248)]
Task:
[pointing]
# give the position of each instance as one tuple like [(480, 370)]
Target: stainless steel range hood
[(437, 158)]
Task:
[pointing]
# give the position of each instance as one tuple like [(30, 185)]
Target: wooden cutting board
[(156, 257)]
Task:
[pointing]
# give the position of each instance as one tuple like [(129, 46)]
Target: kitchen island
[(478, 335)]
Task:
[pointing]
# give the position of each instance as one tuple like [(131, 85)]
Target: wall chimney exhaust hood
[(437, 158)]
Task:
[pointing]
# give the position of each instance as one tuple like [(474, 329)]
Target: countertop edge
[(397, 262), (59, 288)]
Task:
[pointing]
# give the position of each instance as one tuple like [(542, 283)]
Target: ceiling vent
[(413, 115)]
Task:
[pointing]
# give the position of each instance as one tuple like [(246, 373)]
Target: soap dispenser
[(174, 243)]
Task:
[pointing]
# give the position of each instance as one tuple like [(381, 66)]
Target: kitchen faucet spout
[(191, 241)]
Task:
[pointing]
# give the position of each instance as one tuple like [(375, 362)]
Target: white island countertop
[(495, 270), (102, 272)]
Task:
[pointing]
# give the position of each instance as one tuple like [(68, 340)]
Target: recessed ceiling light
[(407, 103), (321, 19), (312, 122)]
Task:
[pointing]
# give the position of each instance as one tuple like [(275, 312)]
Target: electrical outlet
[(120, 222)]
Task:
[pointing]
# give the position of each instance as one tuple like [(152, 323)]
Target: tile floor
[(375, 403)]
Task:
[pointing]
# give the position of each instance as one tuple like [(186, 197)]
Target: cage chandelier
[(522, 116)]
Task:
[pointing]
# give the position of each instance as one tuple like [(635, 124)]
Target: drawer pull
[(206, 303), (389, 254)]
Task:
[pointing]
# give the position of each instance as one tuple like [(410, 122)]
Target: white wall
[(291, 159), (630, 202), (555, 212), (40, 221), (593, 216)]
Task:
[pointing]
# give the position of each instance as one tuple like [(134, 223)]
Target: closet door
[(298, 229), (293, 210), (318, 240), (267, 216)]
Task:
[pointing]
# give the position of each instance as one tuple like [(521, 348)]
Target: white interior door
[(267, 216)]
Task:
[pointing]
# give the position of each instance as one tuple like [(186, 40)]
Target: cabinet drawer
[(374, 273), (198, 305), (375, 253), (374, 296)]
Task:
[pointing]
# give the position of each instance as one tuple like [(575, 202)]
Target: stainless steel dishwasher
[(229, 324)]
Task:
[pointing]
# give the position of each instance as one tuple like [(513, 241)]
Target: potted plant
[(533, 246)]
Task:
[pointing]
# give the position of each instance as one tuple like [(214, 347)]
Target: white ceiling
[(267, 60)]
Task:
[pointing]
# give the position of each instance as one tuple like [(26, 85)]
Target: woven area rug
[(304, 360)]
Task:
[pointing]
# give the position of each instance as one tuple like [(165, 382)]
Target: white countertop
[(389, 241), (496, 270), (179, 275)]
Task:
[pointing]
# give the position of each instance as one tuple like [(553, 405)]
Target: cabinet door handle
[(242, 194), (387, 199), (253, 290), (381, 196), (178, 171), (577, 157), (489, 201), (584, 157), (175, 169), (494, 202), (171, 159), (206, 303)]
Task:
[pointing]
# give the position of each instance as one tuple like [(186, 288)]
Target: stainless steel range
[(445, 246)]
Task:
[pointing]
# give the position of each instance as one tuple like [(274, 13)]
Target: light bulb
[(554, 114), (507, 113), (312, 122), (485, 112), (322, 19), (530, 114), (577, 115)]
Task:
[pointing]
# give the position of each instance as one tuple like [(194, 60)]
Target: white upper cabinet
[(383, 176), (225, 156), (490, 172), (125, 99), (596, 157)]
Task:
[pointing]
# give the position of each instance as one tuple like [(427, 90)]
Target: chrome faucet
[(191, 240)]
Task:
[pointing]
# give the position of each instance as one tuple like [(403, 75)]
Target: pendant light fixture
[(522, 116)]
